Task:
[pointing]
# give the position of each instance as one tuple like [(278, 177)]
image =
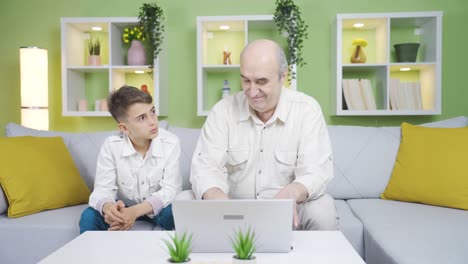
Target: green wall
[(38, 23)]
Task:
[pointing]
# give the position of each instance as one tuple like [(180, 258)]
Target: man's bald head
[(264, 47), (263, 70)]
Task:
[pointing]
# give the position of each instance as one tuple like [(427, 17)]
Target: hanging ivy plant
[(151, 18), (288, 19)]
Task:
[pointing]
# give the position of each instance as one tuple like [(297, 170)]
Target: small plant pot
[(236, 260), (406, 52), (94, 60), (169, 261)]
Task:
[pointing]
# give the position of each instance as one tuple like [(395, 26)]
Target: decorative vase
[(82, 105), (406, 52), (94, 60), (136, 54), (358, 55), (235, 260)]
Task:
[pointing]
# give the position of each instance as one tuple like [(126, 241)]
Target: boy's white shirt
[(123, 174)]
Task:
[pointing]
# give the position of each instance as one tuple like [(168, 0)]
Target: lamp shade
[(34, 88)]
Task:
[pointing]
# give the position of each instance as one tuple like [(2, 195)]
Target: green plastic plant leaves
[(179, 247), (94, 45), (243, 243), (288, 19), (151, 18)]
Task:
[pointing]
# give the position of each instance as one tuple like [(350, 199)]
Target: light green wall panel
[(97, 87), (40, 25)]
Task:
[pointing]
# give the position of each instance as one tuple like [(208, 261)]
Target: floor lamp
[(34, 88)]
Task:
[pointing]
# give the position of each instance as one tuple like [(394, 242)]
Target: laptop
[(213, 223)]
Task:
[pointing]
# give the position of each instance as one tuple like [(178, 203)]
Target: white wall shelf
[(84, 82), (382, 31), (212, 41)]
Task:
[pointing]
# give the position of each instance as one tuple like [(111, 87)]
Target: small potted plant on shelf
[(406, 52), (179, 248), (244, 244), (94, 49), (151, 18), (288, 19)]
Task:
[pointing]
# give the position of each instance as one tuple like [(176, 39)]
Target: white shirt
[(249, 159), (123, 174)]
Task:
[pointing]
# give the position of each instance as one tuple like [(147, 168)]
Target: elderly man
[(267, 142)]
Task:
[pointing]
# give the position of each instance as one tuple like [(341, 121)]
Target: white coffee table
[(147, 247)]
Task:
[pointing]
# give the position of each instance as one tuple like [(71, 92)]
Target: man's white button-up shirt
[(247, 158), (123, 174)]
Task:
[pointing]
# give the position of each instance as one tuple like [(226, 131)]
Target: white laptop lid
[(213, 223)]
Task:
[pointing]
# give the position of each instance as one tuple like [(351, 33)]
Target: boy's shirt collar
[(155, 147)]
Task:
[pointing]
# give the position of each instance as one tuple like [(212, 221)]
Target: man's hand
[(298, 193), (214, 194), (112, 212)]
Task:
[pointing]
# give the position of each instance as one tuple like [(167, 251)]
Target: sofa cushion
[(431, 167), (350, 226), (459, 121), (188, 141), (3, 202), (40, 175), (38, 235), (364, 157), (405, 233), (363, 160)]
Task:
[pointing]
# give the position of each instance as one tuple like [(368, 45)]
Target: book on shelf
[(347, 94), (405, 95), (368, 94), (416, 90), (358, 94), (394, 84)]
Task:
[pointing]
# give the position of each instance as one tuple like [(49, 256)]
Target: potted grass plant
[(179, 248), (244, 244), (94, 49)]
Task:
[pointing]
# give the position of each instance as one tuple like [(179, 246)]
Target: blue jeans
[(92, 220)]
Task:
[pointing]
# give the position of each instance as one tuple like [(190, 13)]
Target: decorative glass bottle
[(226, 90)]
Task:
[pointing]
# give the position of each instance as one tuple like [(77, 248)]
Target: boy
[(137, 174)]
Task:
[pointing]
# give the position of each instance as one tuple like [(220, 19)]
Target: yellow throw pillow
[(431, 167), (38, 173)]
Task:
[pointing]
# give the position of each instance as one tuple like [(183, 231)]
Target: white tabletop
[(147, 247)]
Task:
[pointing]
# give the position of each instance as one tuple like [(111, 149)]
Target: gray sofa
[(381, 231)]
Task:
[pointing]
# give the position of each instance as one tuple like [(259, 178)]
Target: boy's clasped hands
[(118, 216)]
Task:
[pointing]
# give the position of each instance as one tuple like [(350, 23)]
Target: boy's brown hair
[(119, 101)]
